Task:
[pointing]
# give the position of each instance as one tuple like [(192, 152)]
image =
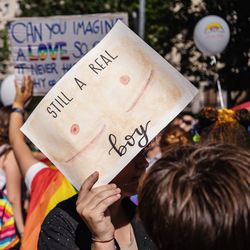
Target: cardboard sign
[(47, 47), (108, 107)]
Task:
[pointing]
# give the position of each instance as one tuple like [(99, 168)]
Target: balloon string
[(220, 94), (213, 62)]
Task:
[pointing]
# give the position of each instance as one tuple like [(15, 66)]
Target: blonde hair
[(226, 116)]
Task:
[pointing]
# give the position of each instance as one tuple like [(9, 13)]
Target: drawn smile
[(142, 91), (91, 143)]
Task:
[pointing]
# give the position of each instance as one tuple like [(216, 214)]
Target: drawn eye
[(125, 79), (74, 130)]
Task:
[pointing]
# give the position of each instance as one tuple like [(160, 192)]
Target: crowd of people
[(193, 184)]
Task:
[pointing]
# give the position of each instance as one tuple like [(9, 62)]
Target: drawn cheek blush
[(125, 79), (74, 130)]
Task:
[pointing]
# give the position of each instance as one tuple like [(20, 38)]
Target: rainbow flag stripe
[(8, 234), (49, 187)]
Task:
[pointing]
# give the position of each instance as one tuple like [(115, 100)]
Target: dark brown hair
[(4, 125), (198, 198)]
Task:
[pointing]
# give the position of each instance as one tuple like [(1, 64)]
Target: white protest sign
[(108, 107), (47, 47)]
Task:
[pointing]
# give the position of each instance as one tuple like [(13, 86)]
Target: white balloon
[(8, 90), (211, 35)]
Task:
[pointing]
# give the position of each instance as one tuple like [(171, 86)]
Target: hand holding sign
[(92, 205)]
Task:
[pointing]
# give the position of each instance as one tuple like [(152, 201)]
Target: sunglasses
[(187, 122)]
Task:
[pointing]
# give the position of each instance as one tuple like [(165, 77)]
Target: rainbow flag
[(8, 234), (49, 187)]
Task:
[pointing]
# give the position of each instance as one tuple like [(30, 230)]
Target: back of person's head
[(173, 135), (4, 125), (198, 198), (225, 125)]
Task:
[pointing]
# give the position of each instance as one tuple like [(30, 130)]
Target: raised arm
[(13, 186), (22, 152)]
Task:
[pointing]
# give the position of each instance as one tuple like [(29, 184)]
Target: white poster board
[(47, 47), (108, 107)]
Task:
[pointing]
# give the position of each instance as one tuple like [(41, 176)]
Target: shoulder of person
[(66, 210), (64, 223)]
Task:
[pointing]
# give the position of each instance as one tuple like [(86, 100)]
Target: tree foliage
[(4, 50)]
